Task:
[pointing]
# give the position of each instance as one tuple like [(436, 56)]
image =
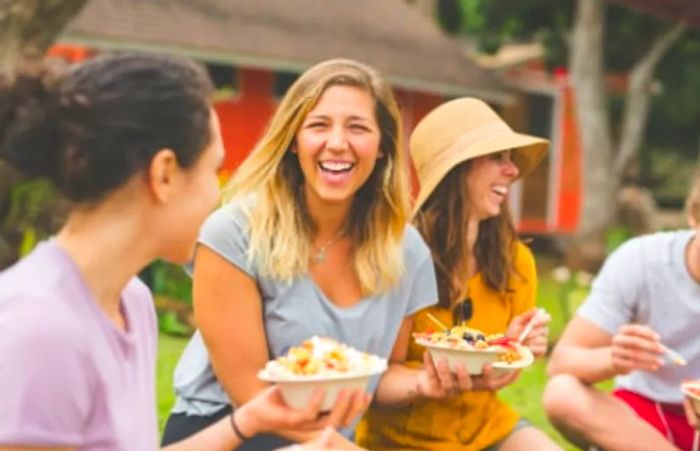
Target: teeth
[(336, 165), (502, 190)]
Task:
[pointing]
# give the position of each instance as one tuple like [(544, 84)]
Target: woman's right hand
[(635, 347)]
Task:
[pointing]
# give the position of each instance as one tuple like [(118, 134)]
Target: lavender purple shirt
[(68, 376)]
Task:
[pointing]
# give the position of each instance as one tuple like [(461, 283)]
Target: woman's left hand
[(538, 338)]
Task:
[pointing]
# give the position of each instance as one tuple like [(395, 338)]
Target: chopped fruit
[(322, 356), (466, 338)]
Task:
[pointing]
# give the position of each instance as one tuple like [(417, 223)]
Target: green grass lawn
[(169, 350), (525, 395)]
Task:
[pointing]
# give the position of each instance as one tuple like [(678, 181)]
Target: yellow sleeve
[(524, 280)]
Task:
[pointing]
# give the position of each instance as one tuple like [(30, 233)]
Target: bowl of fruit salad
[(474, 349), (691, 389), (324, 363)]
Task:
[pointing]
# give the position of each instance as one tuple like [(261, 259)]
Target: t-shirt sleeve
[(421, 275), (45, 383), (226, 233), (615, 291)]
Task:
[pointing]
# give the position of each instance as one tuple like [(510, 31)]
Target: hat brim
[(528, 151)]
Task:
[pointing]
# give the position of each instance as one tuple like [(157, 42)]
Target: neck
[(692, 258), (328, 218), (108, 246)]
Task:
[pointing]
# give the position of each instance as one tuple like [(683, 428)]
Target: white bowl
[(474, 360), (526, 359), (694, 398), (298, 390)]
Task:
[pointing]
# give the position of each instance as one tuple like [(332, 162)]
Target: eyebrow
[(350, 118)]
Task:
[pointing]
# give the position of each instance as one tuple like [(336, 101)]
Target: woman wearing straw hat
[(466, 158)]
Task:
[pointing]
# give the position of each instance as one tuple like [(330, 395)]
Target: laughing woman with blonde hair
[(313, 240)]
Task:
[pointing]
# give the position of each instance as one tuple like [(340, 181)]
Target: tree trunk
[(27, 29), (603, 164), (638, 98), (587, 74)]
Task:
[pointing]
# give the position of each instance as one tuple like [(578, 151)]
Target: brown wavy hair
[(443, 221)]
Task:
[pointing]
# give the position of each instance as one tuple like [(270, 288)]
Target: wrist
[(610, 369), (243, 424)]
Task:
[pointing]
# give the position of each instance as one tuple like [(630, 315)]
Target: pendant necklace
[(320, 255)]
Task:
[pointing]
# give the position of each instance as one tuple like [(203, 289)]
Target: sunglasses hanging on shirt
[(463, 311)]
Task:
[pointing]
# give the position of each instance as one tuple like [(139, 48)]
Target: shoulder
[(137, 289), (414, 247), (227, 217), (227, 229), (140, 300), (523, 259), (30, 323), (645, 249)]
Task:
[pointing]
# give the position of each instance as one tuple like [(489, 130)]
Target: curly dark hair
[(92, 127)]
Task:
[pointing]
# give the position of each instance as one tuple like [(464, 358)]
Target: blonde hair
[(281, 229), (692, 202)]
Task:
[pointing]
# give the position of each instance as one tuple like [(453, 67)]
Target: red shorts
[(669, 419)]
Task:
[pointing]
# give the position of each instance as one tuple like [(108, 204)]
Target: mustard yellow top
[(471, 420)]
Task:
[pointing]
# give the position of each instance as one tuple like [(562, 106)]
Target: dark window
[(225, 78), (283, 80)]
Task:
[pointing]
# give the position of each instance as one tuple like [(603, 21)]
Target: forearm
[(590, 365), (398, 386), (221, 437)]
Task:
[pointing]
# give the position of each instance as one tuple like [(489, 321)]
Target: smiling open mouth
[(500, 190), (336, 167)]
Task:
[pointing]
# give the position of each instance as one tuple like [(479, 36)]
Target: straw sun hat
[(460, 130)]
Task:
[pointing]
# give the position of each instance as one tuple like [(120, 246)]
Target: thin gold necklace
[(320, 255)]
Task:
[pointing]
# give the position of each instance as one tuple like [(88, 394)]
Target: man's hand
[(635, 347)]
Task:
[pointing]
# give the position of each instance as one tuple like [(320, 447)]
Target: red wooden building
[(255, 49)]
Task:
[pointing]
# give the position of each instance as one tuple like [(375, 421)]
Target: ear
[(161, 175)]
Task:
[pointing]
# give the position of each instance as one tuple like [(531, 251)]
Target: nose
[(337, 140), (509, 167)]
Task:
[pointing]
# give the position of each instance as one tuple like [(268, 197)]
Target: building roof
[(291, 35)]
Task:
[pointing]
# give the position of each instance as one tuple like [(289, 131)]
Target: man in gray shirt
[(646, 297)]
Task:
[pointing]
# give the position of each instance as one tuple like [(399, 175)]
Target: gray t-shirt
[(646, 281), (298, 310)]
